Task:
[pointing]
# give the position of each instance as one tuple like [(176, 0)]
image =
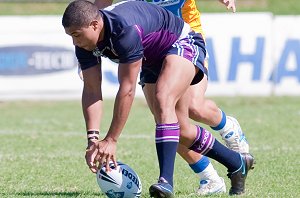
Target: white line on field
[(150, 135), (71, 133)]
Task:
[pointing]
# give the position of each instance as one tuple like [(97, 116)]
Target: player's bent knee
[(196, 111)]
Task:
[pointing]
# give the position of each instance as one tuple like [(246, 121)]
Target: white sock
[(209, 173), (228, 125)]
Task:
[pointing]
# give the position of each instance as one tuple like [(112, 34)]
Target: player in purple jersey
[(210, 181), (139, 35), (201, 109)]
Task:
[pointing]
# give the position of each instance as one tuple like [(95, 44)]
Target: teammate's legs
[(210, 181), (206, 144), (201, 140), (201, 109), (237, 164), (206, 111)]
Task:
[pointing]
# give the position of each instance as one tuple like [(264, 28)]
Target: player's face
[(85, 37)]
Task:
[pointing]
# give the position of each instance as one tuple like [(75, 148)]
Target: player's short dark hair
[(79, 14)]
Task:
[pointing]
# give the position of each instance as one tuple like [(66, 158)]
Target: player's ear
[(95, 24)]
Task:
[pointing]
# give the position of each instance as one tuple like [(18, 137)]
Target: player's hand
[(106, 153), (90, 155), (230, 4)]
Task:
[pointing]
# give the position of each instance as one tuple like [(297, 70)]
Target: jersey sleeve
[(128, 45), (86, 58)]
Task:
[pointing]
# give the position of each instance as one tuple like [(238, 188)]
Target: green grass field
[(43, 146), (40, 7)]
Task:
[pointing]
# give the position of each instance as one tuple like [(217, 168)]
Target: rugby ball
[(120, 182)]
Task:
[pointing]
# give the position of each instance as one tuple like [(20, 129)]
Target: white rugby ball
[(120, 182)]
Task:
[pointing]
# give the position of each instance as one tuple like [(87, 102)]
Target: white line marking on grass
[(71, 133), (42, 155), (149, 135), (275, 148), (138, 136)]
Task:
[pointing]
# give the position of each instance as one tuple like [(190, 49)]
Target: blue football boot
[(238, 178), (162, 189)]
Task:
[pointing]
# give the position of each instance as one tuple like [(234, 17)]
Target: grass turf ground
[(43, 146), (38, 7)]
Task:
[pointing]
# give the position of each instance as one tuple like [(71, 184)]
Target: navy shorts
[(190, 46)]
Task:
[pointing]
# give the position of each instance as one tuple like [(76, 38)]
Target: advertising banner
[(249, 54)]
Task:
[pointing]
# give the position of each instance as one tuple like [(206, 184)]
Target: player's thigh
[(175, 77), (197, 93)]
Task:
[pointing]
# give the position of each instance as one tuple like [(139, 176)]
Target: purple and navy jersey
[(134, 30)]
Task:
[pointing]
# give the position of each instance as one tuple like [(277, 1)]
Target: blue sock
[(201, 165), (167, 139), (207, 145), (221, 124), (227, 157)]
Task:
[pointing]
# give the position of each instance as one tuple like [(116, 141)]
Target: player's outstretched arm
[(92, 110), (230, 4), (103, 3), (127, 76)]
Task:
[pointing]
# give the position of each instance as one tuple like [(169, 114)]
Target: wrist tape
[(92, 135)]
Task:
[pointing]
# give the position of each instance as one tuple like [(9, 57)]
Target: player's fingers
[(107, 166), (90, 155), (97, 157), (91, 163), (103, 159), (114, 161), (88, 159), (99, 166), (94, 169), (111, 158), (97, 162), (233, 8), (231, 5), (92, 166)]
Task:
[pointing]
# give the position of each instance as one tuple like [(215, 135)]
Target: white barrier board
[(249, 54)]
